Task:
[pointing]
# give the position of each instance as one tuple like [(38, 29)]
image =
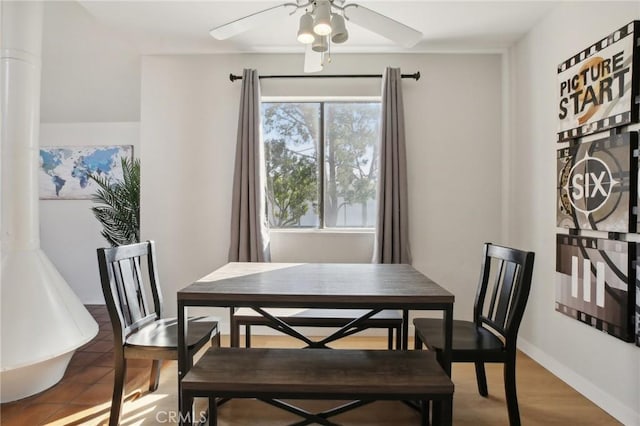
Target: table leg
[(448, 339), (183, 363)]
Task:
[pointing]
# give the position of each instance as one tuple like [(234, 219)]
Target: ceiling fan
[(323, 23)]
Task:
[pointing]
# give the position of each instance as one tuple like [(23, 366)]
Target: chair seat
[(163, 333), (466, 336), (337, 314)]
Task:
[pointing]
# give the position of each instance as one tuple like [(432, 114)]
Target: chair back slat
[(142, 295), (130, 290), (124, 286), (505, 300), (120, 292), (506, 275), (496, 288)]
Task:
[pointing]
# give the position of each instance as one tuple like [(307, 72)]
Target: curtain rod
[(415, 76)]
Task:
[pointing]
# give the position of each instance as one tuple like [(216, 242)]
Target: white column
[(21, 49), (42, 320)]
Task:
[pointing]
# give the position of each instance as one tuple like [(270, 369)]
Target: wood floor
[(83, 396)]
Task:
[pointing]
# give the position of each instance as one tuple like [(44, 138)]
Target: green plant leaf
[(118, 204)]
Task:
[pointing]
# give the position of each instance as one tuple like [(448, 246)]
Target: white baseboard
[(608, 403)]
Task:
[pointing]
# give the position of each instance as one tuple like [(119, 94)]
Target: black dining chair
[(491, 336), (139, 330)]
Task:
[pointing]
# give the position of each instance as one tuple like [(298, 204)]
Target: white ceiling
[(182, 27)]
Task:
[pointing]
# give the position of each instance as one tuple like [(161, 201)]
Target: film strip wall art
[(637, 316), (598, 87), (593, 277), (596, 184)]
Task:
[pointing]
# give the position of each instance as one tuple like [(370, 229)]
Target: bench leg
[(424, 413), (417, 342), (405, 329), (234, 330), (310, 418), (213, 411), (247, 336), (443, 412), (390, 338), (186, 414)]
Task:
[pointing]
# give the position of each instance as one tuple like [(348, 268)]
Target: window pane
[(291, 137), (351, 166)]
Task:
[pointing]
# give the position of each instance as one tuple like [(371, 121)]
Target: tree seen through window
[(321, 161)]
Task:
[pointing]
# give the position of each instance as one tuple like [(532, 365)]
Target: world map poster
[(64, 171)]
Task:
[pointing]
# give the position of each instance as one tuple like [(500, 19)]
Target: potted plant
[(118, 208)]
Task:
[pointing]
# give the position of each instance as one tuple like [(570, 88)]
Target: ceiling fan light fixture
[(322, 21), (339, 33), (320, 44), (305, 30)]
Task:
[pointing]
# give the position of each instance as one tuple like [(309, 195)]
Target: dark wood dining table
[(373, 287)]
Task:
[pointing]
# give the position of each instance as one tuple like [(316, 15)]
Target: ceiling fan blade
[(312, 60), (241, 25), (383, 25)]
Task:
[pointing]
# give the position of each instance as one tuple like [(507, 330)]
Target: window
[(321, 161)]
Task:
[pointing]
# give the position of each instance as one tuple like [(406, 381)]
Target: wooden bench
[(389, 319), (363, 375)]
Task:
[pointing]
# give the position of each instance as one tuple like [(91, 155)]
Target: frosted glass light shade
[(305, 30), (320, 44), (322, 22), (339, 33)]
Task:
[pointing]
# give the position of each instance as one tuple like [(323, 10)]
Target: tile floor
[(84, 394)]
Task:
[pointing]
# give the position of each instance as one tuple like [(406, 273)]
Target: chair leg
[(120, 373), (417, 343), (481, 377), (247, 336), (510, 391), (154, 379)]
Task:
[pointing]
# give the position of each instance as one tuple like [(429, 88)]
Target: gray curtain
[(249, 233), (392, 228)]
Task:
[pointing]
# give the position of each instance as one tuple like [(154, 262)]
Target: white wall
[(89, 72), (453, 119), (90, 95), (602, 367), (322, 246), (69, 233)]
